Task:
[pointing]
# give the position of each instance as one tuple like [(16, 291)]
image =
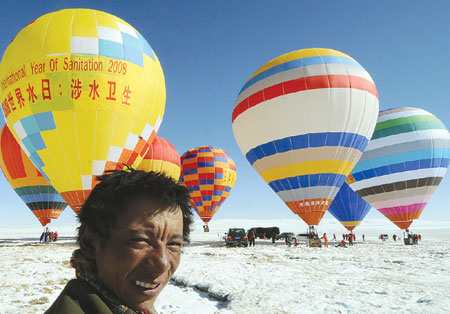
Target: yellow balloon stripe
[(85, 120), (172, 170), (106, 122), (65, 125), (104, 19), (58, 39), (54, 166), (350, 223), (86, 24), (308, 167), (295, 55)]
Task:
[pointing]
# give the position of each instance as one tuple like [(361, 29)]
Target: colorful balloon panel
[(43, 200), (404, 163), (348, 207), (302, 121), (82, 91), (162, 157), (209, 174)]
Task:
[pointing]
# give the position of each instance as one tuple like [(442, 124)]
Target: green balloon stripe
[(408, 127), (404, 120)]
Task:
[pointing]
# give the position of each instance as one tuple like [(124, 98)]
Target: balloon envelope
[(81, 91), (162, 157), (348, 207), (404, 163), (302, 121), (43, 200), (209, 174)]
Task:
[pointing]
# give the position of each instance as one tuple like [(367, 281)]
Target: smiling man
[(132, 229)]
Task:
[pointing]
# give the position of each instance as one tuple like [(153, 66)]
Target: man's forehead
[(148, 205), (143, 211)]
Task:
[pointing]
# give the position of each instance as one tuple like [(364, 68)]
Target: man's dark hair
[(118, 188)]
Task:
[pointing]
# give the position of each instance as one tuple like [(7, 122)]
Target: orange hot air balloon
[(209, 174), (162, 157), (43, 200)]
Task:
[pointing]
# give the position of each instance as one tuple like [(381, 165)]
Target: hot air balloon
[(162, 157), (27, 181), (209, 174), (81, 90), (403, 165), (348, 207), (302, 121)]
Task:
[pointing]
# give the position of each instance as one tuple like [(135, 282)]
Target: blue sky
[(208, 49)]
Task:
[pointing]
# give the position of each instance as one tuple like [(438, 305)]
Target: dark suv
[(286, 236), (236, 237)]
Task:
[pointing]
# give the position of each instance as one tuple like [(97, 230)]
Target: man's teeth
[(145, 284)]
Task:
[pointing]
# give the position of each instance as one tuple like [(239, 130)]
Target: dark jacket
[(78, 297)]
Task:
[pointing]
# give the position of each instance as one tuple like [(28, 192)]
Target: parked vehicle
[(285, 236), (269, 232), (236, 237)]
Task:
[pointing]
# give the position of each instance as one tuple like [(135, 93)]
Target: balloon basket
[(409, 238), (314, 242), (205, 228), (410, 241)]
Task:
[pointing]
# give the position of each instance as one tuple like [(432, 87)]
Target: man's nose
[(159, 260)]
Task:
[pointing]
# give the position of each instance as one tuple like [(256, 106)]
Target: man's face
[(142, 253)]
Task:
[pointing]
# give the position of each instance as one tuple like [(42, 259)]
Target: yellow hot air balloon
[(81, 90)]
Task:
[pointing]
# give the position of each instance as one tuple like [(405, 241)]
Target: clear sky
[(208, 49)]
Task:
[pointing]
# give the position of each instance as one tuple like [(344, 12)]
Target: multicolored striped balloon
[(162, 157), (27, 181), (302, 121), (348, 207), (403, 165), (209, 174)]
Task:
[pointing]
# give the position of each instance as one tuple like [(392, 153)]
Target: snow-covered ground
[(371, 277)]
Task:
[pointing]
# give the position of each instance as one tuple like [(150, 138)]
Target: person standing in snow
[(325, 238), (251, 237), (132, 229)]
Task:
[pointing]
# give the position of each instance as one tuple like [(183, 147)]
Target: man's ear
[(89, 243)]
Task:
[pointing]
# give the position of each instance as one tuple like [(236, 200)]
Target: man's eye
[(137, 240), (176, 244)]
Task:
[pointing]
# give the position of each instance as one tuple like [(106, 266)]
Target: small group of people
[(350, 237), (292, 241), (48, 236), (414, 238)]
